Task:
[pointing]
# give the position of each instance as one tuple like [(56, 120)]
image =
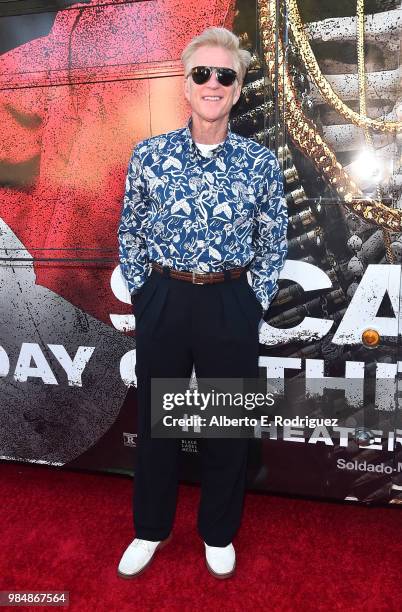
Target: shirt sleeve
[(134, 263), (269, 236)]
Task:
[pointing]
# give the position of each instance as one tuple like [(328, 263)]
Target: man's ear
[(187, 89), (237, 94)]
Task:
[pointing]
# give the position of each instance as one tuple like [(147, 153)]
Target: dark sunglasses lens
[(226, 76), (200, 74)]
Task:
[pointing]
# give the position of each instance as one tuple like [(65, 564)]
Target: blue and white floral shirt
[(191, 212)]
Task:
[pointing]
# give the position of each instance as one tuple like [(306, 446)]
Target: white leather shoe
[(220, 560), (137, 556)]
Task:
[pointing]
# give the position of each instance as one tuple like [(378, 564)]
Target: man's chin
[(212, 115)]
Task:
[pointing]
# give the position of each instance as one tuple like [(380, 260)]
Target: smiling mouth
[(212, 98)]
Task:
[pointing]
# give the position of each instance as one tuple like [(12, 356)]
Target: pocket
[(141, 299), (254, 298), (249, 305)]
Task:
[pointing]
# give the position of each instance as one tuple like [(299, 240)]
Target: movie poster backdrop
[(80, 85)]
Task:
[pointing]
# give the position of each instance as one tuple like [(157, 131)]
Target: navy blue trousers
[(215, 328)]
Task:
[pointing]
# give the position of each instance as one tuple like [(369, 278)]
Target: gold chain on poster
[(323, 85), (306, 137), (363, 107), (361, 69)]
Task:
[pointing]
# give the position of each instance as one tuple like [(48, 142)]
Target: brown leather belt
[(198, 278)]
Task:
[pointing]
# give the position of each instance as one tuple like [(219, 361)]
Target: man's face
[(211, 101)]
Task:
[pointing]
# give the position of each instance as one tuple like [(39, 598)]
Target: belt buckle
[(194, 272)]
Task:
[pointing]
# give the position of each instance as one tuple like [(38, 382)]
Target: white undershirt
[(206, 149)]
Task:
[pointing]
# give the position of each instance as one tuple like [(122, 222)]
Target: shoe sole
[(220, 576), (159, 547)]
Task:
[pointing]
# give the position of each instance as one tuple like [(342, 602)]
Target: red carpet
[(65, 530)]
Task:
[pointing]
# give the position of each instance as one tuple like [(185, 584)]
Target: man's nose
[(213, 81)]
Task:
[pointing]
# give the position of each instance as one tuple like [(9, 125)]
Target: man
[(202, 206)]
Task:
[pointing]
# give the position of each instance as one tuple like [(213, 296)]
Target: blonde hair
[(218, 37)]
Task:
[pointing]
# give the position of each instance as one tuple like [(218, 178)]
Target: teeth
[(211, 98)]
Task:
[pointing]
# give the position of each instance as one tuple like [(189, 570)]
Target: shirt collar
[(193, 147)]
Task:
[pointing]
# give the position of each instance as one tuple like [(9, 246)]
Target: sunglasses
[(202, 74)]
